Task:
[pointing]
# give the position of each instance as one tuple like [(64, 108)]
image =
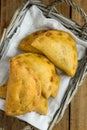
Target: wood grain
[(78, 116), (64, 123), (75, 15), (10, 123), (75, 117)]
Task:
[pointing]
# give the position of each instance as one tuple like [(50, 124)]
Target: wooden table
[(75, 117)]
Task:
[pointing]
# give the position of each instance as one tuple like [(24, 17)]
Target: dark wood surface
[(75, 117)]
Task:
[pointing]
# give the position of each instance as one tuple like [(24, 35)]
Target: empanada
[(41, 107), (60, 48), (23, 89), (44, 70), (25, 44)]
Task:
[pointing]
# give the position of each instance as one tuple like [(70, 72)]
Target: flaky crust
[(60, 48), (45, 71), (23, 89)]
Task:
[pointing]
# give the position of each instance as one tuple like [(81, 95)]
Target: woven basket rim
[(75, 82)]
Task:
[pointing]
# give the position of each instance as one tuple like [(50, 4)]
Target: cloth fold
[(35, 20)]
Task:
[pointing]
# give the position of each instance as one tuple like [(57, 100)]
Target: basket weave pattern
[(80, 32)]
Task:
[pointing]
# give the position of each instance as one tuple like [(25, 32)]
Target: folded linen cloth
[(35, 20)]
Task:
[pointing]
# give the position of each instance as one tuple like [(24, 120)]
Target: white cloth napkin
[(33, 21)]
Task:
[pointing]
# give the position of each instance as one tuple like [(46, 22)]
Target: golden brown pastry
[(23, 89), (44, 70), (25, 44), (21, 84), (42, 107), (3, 91), (60, 48)]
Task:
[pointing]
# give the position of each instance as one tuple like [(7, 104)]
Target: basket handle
[(73, 5)]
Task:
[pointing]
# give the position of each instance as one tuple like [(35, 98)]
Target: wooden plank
[(62, 7), (3, 14), (78, 118), (64, 123), (76, 16), (10, 123), (11, 7), (8, 8)]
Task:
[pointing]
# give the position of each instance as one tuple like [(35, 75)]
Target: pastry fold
[(58, 46), (25, 44), (45, 71), (23, 89), (32, 80)]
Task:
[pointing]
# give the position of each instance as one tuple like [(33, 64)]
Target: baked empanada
[(41, 107), (25, 44), (44, 70), (23, 89), (60, 48)]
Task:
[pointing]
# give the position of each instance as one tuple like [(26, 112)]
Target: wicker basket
[(80, 32)]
